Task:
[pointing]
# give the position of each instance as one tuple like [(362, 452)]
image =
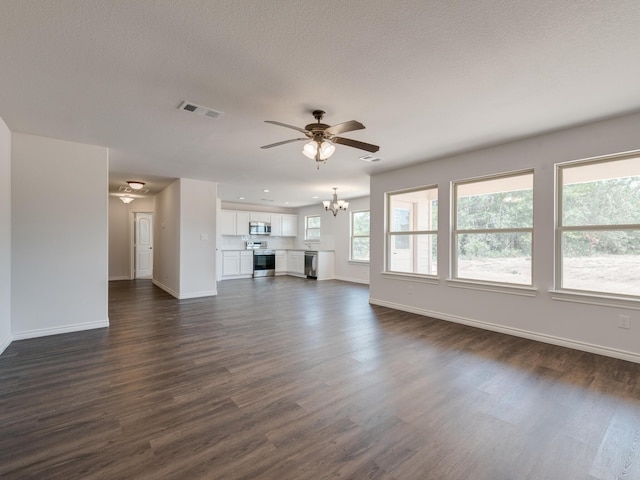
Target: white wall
[(197, 238), (166, 239), (120, 218), (335, 235), (582, 326), (184, 261), (59, 233), (5, 236)]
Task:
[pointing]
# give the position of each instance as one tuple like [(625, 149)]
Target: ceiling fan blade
[(356, 144), (349, 126), (287, 126), (285, 142)]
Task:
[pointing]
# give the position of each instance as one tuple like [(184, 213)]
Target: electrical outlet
[(624, 321)]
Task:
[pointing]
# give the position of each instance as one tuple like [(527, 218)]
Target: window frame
[(352, 236), (455, 232), (564, 293), (306, 228), (389, 234)]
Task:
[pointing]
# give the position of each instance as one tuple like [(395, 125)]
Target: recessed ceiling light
[(315, 196), (240, 198), (266, 190), (286, 203)]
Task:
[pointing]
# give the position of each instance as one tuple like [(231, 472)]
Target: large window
[(598, 234), (360, 232), (312, 228), (493, 229), (412, 227)]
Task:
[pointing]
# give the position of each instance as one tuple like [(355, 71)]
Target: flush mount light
[(127, 199), (135, 185)]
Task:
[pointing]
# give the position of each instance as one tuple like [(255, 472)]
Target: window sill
[(358, 262), (412, 277), (521, 290), (595, 299)]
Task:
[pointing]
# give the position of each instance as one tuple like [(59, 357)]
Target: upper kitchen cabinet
[(234, 223), (276, 224), (289, 225), (260, 217)]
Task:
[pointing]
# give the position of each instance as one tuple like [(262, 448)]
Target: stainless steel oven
[(264, 263), (264, 260)]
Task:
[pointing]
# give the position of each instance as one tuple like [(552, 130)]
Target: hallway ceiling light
[(135, 185), (334, 205), (127, 199)]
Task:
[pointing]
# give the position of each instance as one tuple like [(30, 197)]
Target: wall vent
[(203, 111)]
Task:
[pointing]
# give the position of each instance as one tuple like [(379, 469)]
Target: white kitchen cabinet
[(289, 225), (227, 222), (246, 263), (230, 264), (276, 225), (242, 223), (260, 217), (234, 223), (295, 262), (281, 262), (237, 263)]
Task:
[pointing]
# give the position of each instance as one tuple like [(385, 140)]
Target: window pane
[(313, 234), (605, 201), (361, 224), (313, 222), (602, 261), (412, 211), (495, 257), (495, 204), (360, 249), (413, 253)]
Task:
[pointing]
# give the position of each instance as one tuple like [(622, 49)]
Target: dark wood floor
[(285, 378)]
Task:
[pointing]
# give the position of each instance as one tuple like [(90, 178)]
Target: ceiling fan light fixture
[(311, 149)]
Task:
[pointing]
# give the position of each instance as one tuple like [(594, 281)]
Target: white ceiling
[(427, 78)]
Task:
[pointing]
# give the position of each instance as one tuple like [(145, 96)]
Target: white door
[(144, 244)]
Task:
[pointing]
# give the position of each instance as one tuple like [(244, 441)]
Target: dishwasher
[(311, 264)]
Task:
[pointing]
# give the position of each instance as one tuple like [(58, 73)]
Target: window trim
[(592, 297), (388, 233), (453, 267), (352, 236), (306, 228)]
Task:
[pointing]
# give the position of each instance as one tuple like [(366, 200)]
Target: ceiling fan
[(323, 136)]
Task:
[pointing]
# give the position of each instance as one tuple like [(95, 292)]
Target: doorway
[(142, 245)]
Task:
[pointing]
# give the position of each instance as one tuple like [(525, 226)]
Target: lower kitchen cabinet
[(237, 263), (295, 262), (281, 262)]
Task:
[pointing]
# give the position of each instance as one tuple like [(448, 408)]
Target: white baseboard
[(76, 327), (173, 293), (4, 343), (516, 332), (353, 280), (119, 277)]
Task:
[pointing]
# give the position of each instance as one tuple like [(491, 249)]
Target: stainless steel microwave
[(259, 228)]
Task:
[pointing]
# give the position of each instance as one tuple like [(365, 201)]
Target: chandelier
[(334, 205)]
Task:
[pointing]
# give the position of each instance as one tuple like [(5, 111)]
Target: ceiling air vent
[(203, 111), (370, 158)]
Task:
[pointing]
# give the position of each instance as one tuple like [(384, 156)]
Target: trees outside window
[(360, 235), (493, 229), (412, 227), (312, 228), (598, 231)]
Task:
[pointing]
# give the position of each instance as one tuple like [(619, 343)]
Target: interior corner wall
[(59, 236), (120, 217), (166, 239), (588, 327), (5, 236), (198, 200)]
